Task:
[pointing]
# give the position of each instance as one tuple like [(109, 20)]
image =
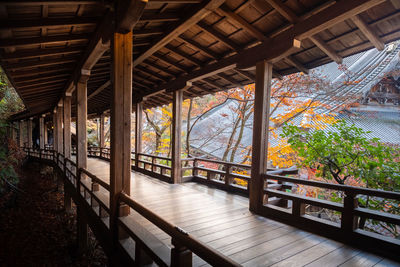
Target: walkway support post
[(59, 129), (138, 131), (21, 133), (55, 138), (67, 126), (102, 134), (41, 132), (67, 145), (121, 109), (176, 168), (81, 153), (29, 133), (260, 134), (46, 139)]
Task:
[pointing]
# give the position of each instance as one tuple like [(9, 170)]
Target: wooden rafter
[(368, 32), (99, 90), (190, 20), (46, 23), (4, 43), (326, 49)]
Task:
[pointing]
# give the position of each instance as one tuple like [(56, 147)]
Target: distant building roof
[(382, 121)]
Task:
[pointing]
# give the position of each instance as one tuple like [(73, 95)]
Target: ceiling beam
[(219, 36), (368, 32), (206, 7), (159, 17), (4, 43), (46, 23), (99, 90), (326, 49), (42, 53), (284, 10), (41, 63), (128, 14), (295, 63), (51, 2)]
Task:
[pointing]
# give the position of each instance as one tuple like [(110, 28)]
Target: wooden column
[(67, 126), (81, 153), (55, 138), (41, 132), (101, 132), (29, 133), (260, 134), (46, 128), (121, 108), (13, 132), (60, 134), (176, 168), (21, 135), (138, 131)]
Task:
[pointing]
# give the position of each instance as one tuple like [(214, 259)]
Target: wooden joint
[(123, 210), (180, 255)]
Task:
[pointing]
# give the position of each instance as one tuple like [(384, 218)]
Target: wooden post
[(55, 138), (21, 134), (176, 168), (121, 109), (13, 132), (349, 222), (260, 134), (60, 136), (81, 153), (46, 140), (67, 126), (41, 130), (30, 133), (138, 131), (102, 133)]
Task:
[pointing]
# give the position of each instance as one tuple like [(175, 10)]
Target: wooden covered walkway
[(222, 221)]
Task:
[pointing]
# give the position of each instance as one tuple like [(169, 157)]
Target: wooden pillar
[(121, 108), (46, 128), (67, 126), (55, 138), (101, 132), (21, 134), (29, 133), (13, 132), (260, 134), (81, 153), (176, 168), (60, 136), (41, 132), (138, 131)]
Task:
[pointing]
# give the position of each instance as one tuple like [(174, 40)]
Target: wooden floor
[(222, 220)]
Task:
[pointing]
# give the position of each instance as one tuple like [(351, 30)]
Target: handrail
[(95, 179), (182, 237), (345, 188)]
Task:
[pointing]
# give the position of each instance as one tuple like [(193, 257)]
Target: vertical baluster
[(227, 175), (195, 171), (349, 222), (180, 255)]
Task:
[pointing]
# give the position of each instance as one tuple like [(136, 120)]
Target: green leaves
[(345, 152)]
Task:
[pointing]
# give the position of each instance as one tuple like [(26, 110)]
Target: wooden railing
[(349, 210), (157, 166)]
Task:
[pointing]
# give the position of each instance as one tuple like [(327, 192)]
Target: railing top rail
[(351, 190), (224, 162), (153, 156), (199, 248), (95, 178)]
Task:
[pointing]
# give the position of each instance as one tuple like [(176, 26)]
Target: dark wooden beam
[(147, 32), (152, 73), (46, 23), (51, 2), (198, 46), (206, 7), (326, 49), (159, 17), (295, 63), (39, 78), (42, 53), (99, 90), (284, 10), (368, 32), (219, 36), (4, 43), (186, 56), (166, 70), (41, 63), (128, 14), (42, 71)]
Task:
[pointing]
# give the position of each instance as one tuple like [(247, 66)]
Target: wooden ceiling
[(201, 46)]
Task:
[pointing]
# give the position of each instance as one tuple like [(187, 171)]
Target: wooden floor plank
[(223, 221)]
